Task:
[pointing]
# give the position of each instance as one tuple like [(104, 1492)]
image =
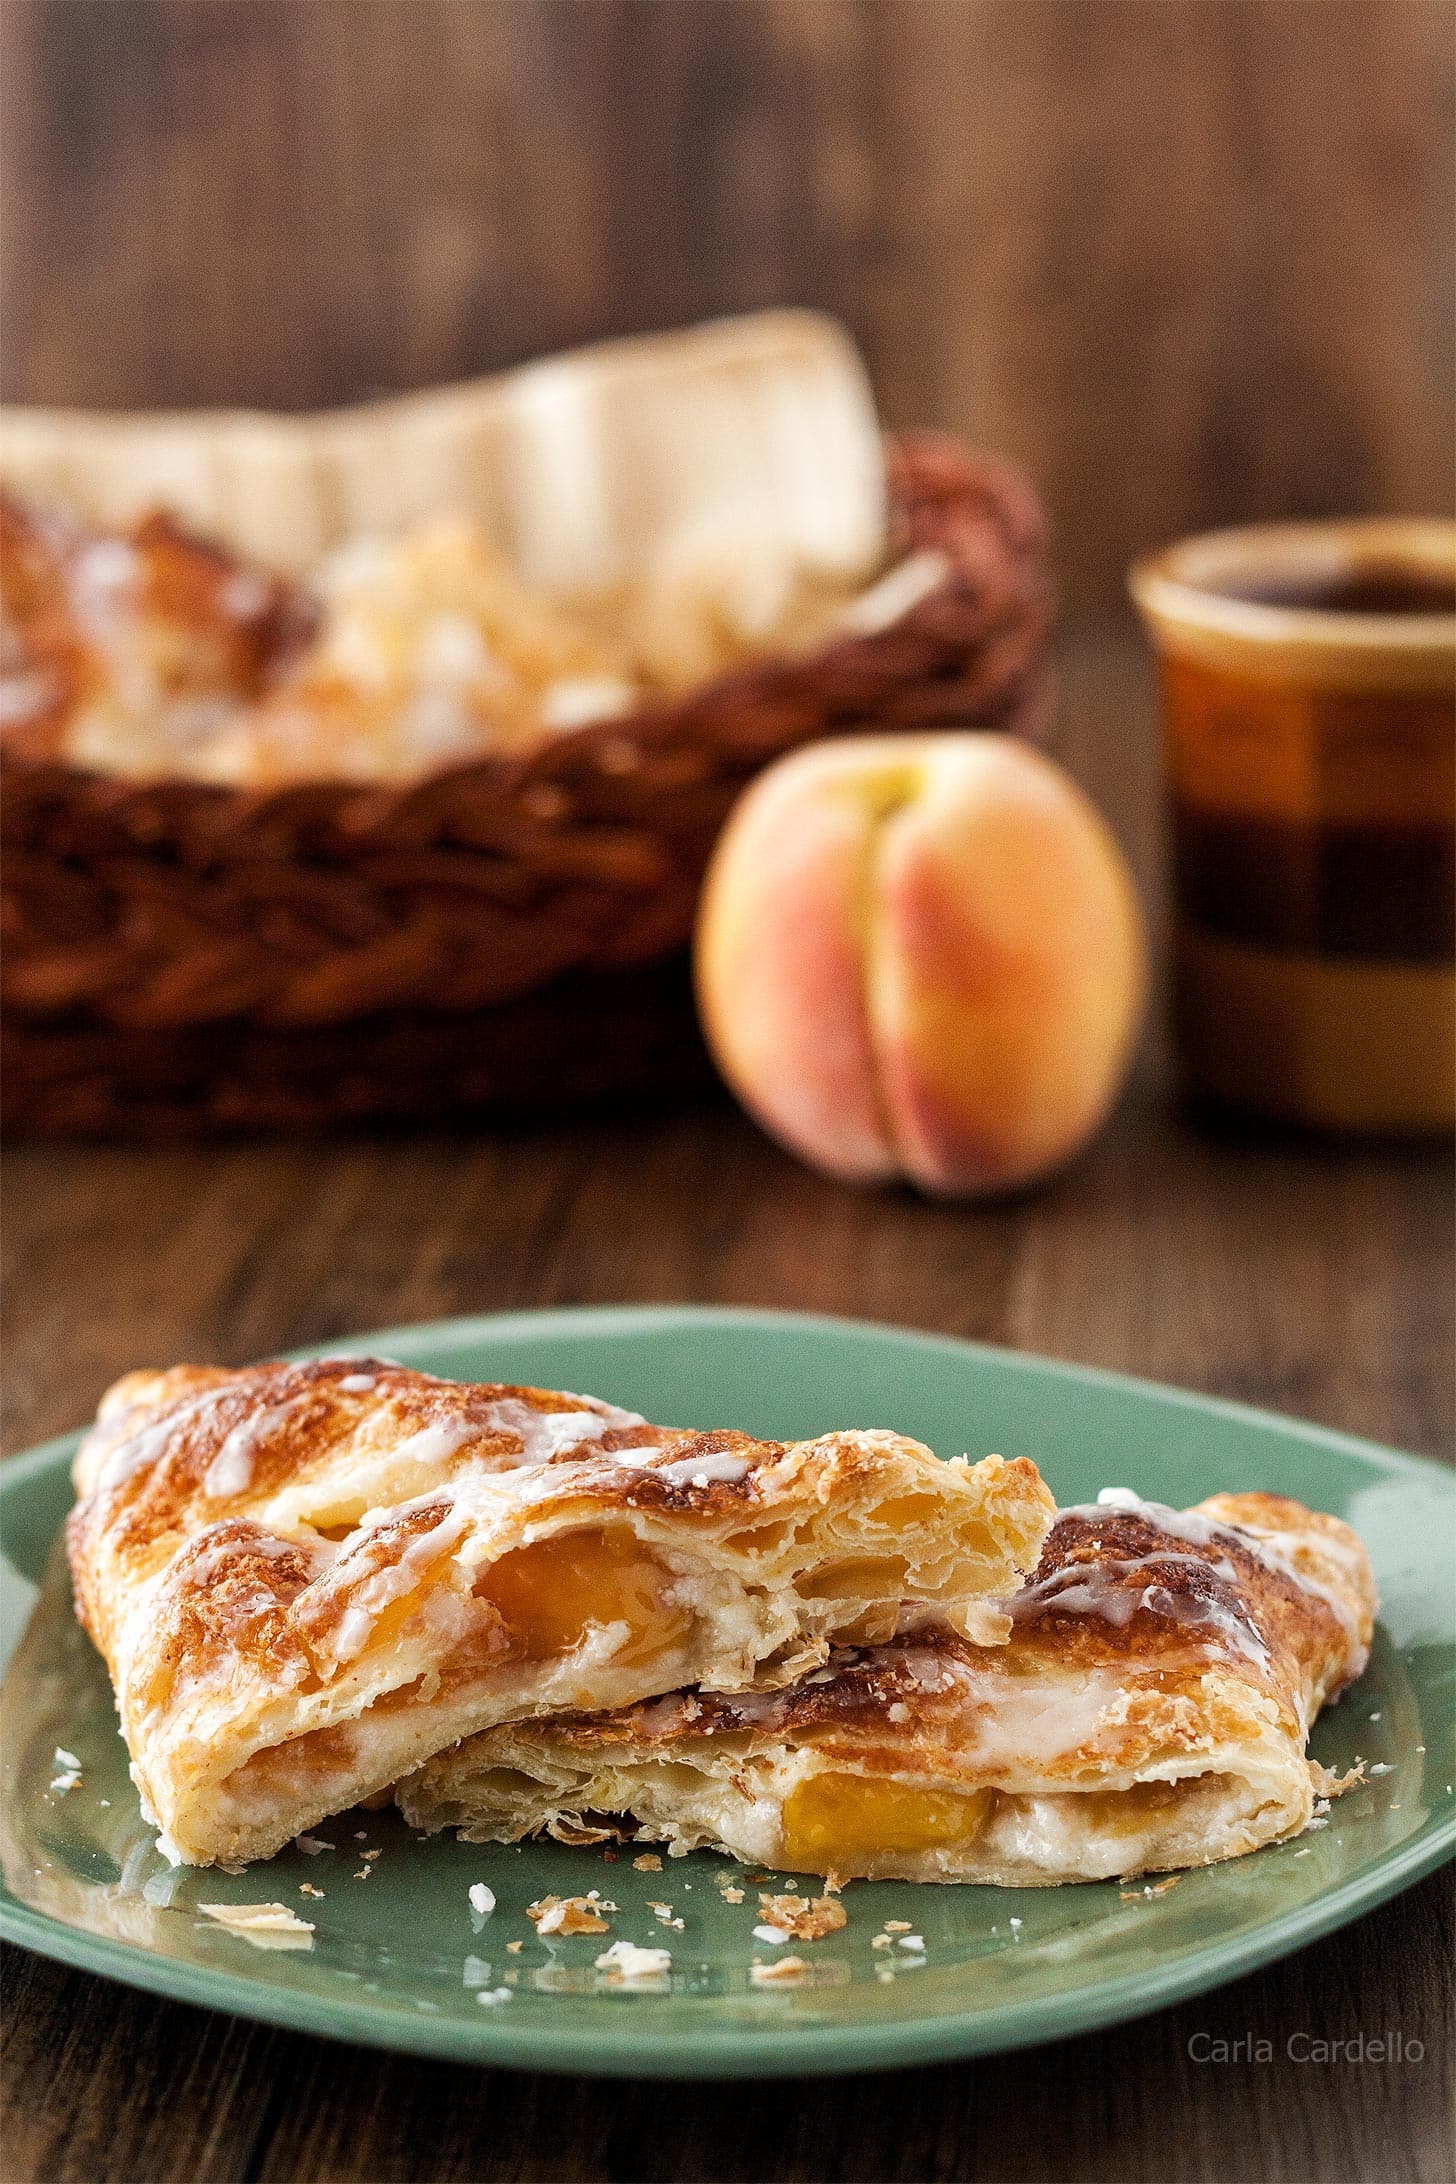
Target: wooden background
[(1191, 260)]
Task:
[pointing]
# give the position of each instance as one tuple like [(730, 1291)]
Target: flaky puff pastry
[(1149, 1712), (307, 1579)]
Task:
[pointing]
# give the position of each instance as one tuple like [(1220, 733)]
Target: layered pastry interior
[(1150, 1711), (308, 1579)]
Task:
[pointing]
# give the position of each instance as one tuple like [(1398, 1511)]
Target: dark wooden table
[(1314, 1281)]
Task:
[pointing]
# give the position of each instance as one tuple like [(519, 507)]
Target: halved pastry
[(306, 1579), (1150, 1711)]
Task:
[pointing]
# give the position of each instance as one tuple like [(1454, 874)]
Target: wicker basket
[(502, 935)]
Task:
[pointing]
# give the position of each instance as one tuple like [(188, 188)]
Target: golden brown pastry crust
[(296, 1572), (1150, 1711)]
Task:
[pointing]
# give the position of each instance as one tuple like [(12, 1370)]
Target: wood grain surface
[(1311, 1280), (1190, 262)]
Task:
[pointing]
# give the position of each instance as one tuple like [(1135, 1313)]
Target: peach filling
[(844, 1819), (873, 1577), (1121, 1813), (550, 1591)]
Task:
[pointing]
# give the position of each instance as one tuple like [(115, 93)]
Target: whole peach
[(921, 955)]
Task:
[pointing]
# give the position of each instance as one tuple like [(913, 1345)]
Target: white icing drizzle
[(698, 1470), (1087, 1588), (356, 1383), (1005, 1722), (231, 1469), (207, 1559), (926, 1668), (544, 1435), (1033, 1720), (660, 1717), (369, 1599), (1268, 1547), (153, 1437), (435, 1444), (756, 1706)]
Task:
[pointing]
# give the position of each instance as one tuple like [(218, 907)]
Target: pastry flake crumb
[(897, 1926), (732, 1895), (306, 1888), (68, 1779), (882, 1941), (369, 1856), (624, 1963), (514, 1948), (776, 1936), (363, 1872), (570, 1914), (482, 1899), (66, 1759), (1329, 1784), (662, 1912), (1149, 1889), (913, 1941), (786, 1969), (804, 1918), (649, 1862), (310, 1845), (265, 1925), (833, 1884)]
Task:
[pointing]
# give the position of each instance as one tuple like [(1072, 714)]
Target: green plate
[(400, 1959)]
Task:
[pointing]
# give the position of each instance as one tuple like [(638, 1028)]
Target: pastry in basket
[(429, 652), (153, 653), (1150, 1711), (307, 1579), (131, 652)]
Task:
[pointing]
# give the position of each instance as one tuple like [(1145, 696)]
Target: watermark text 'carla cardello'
[(1305, 2047)]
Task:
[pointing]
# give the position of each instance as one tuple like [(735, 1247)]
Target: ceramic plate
[(400, 1959)]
